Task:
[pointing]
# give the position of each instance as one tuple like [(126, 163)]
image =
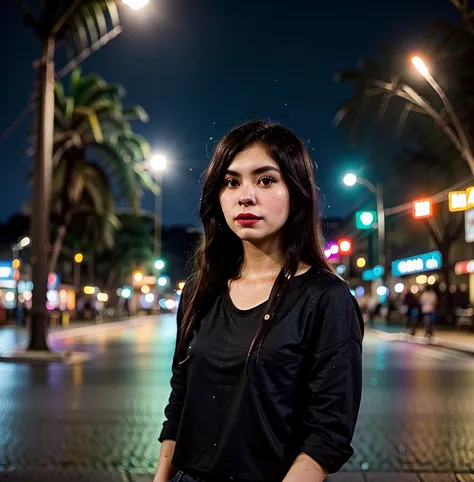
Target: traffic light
[(361, 262), (345, 246), (159, 264), (365, 219)]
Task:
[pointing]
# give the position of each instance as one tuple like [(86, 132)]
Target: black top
[(301, 393)]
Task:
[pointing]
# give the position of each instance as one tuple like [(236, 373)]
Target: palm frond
[(75, 81), (121, 171), (92, 120), (59, 93), (84, 85), (135, 112)]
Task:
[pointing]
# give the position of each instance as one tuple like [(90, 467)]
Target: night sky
[(199, 67)]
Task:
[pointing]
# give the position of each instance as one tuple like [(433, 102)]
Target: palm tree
[(379, 84), (91, 122), (78, 22)]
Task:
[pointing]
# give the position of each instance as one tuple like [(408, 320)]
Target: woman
[(266, 381)]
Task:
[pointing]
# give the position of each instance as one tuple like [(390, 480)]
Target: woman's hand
[(305, 469), (165, 470)]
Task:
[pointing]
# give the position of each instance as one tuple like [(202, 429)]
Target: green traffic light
[(159, 264), (365, 219)]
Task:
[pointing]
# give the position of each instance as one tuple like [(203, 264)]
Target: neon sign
[(417, 264)]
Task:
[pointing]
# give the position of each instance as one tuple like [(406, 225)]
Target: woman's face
[(254, 198)]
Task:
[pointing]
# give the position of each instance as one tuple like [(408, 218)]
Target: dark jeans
[(182, 477), (429, 322), (412, 319)]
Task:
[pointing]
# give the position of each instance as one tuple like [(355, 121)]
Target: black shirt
[(301, 392)]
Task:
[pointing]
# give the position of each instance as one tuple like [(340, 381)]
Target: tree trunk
[(57, 246), (72, 193), (42, 198)]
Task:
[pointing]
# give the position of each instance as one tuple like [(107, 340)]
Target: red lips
[(247, 216)]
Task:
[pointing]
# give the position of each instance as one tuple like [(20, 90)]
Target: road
[(97, 420)]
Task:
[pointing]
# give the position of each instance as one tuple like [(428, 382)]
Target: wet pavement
[(99, 421)]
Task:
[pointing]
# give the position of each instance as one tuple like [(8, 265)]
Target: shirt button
[(266, 317)]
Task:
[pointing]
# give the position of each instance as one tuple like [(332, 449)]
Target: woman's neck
[(261, 261)]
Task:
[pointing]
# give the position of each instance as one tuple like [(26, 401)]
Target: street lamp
[(421, 67), (157, 166), (24, 242), (465, 147), (158, 163), (350, 180)]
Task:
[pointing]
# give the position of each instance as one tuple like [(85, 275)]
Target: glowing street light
[(24, 242), (136, 4), (78, 258), (158, 163), (350, 179), (420, 66)]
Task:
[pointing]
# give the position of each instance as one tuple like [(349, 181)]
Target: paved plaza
[(99, 420)]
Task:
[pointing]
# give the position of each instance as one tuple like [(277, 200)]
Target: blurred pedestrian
[(267, 370), (429, 307), (411, 310)]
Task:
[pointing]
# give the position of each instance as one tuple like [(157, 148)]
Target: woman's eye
[(267, 181), (231, 182)]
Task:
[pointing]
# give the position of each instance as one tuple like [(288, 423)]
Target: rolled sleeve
[(178, 392), (334, 381)]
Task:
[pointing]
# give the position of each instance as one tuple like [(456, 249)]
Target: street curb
[(41, 357), (466, 348), (88, 330), (97, 328)]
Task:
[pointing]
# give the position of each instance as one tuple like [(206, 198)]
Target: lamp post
[(463, 143), (350, 180), (157, 166), (40, 216)]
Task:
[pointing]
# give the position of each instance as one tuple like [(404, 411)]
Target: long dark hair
[(220, 254)]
